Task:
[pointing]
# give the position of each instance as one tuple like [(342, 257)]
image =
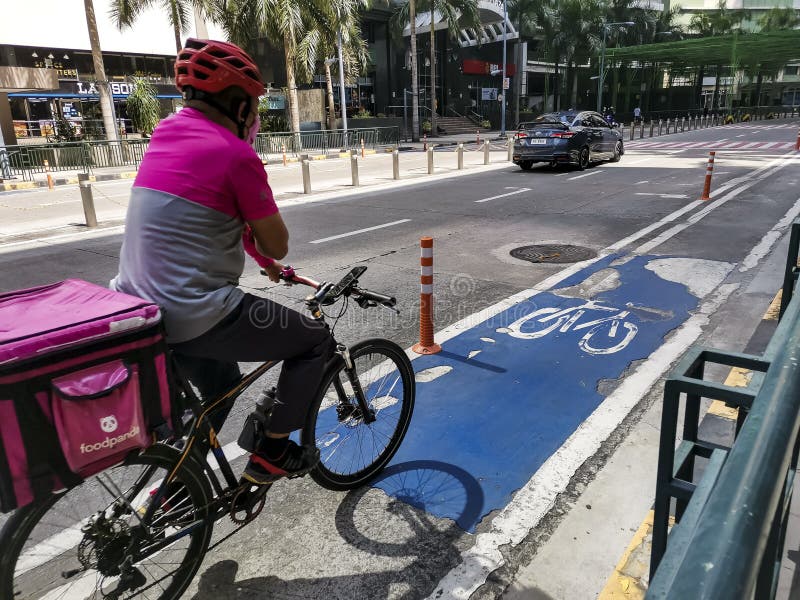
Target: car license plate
[(536, 141)]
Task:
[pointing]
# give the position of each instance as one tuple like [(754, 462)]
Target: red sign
[(480, 67)]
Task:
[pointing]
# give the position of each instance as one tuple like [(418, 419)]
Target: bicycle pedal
[(248, 501)]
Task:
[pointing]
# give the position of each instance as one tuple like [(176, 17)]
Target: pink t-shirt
[(196, 159), (197, 185)]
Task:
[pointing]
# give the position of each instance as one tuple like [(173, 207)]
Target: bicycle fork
[(367, 414)]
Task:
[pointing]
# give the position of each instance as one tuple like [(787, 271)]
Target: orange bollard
[(283, 150), (426, 344), (797, 143), (363, 152), (709, 170), (425, 142), (49, 177), (478, 134)]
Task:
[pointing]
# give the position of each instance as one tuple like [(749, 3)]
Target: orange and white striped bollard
[(424, 142), (478, 136), (426, 344), (709, 171), (363, 151), (283, 151), (797, 143), (49, 177)]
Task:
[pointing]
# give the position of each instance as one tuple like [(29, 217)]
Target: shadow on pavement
[(432, 550)]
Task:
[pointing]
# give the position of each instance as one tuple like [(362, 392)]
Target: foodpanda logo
[(110, 442), (109, 424)]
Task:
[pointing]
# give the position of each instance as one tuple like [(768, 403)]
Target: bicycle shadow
[(411, 568)]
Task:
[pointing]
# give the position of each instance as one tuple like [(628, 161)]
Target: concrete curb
[(29, 185)]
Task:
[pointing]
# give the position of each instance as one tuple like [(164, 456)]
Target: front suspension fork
[(367, 413)]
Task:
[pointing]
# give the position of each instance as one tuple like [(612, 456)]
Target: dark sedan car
[(569, 137)]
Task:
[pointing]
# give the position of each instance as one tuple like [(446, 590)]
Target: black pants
[(259, 330)]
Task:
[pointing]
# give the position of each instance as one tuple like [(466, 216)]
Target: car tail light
[(520, 135), (562, 134)]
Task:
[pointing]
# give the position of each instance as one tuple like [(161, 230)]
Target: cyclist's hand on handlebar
[(273, 271)]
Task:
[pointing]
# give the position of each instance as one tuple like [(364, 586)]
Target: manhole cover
[(553, 253)]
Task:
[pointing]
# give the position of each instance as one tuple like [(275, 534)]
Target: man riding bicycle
[(200, 200)]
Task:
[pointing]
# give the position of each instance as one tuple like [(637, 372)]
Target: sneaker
[(295, 461)]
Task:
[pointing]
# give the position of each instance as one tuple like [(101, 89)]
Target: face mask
[(253, 132)]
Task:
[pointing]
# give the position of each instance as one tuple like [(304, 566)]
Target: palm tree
[(579, 23), (458, 15), (399, 19), (721, 22), (243, 21), (325, 21), (179, 14), (106, 106)]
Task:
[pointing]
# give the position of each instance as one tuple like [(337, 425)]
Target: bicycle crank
[(248, 502)]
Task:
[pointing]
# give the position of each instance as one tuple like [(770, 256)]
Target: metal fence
[(731, 519), (325, 140), (26, 161)]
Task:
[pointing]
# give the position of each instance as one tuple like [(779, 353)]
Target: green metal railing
[(26, 161), (731, 521), (325, 140)]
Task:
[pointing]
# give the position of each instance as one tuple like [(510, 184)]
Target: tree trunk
[(331, 105), (614, 88), (759, 83), (176, 24), (715, 97), (433, 73), (106, 105), (626, 106), (698, 93), (291, 82), (574, 93), (414, 83), (556, 89)]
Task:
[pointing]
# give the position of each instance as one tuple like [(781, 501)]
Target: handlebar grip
[(379, 298)]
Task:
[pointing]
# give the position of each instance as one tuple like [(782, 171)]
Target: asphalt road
[(384, 543)]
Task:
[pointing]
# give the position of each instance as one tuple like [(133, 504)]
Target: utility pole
[(505, 91)]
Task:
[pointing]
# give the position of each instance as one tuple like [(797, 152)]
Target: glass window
[(791, 69)]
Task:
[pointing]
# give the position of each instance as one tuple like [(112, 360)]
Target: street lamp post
[(503, 87), (601, 75)]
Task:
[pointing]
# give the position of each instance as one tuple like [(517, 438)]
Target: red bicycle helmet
[(211, 66)]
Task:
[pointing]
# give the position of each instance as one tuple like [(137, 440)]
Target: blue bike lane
[(504, 395)]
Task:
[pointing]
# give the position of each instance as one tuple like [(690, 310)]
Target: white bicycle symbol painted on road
[(612, 329)]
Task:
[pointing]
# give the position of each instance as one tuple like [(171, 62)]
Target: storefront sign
[(480, 67), (276, 102)]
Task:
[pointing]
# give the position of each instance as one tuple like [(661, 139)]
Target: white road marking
[(697, 217), (742, 135), (519, 191), (662, 195), (357, 231), (768, 241), (640, 182), (582, 176)]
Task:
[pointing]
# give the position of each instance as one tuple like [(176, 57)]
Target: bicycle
[(144, 526)]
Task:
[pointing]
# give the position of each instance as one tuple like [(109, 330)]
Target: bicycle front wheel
[(353, 451), (91, 542)]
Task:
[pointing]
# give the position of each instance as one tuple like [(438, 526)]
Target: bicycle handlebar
[(363, 297)]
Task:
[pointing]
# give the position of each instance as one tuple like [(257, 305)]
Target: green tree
[(776, 19), (325, 20), (280, 20), (142, 106), (100, 72), (407, 13), (578, 36), (179, 14)]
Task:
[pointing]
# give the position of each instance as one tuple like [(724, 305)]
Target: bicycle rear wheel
[(351, 451), (74, 544)]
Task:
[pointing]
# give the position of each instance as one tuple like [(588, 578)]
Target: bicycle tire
[(385, 363), (32, 575)]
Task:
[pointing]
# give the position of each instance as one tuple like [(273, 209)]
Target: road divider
[(709, 172), (426, 343)]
